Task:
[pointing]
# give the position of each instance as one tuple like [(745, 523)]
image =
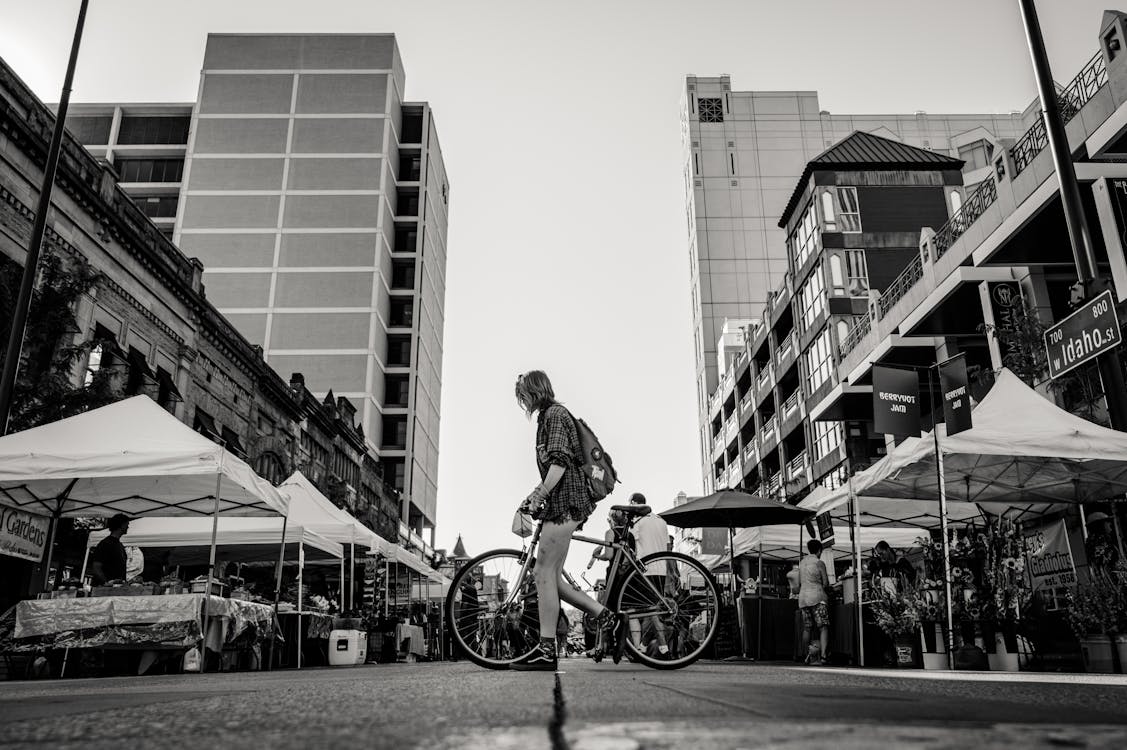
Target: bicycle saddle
[(632, 510)]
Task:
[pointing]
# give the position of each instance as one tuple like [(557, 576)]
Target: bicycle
[(492, 615)]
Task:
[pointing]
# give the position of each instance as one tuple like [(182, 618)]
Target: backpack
[(594, 462)]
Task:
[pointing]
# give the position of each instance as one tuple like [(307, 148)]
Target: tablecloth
[(777, 628), (416, 639), (143, 621)]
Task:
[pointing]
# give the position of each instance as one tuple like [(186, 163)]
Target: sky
[(559, 125)]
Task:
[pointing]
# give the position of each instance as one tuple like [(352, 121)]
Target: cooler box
[(347, 647)]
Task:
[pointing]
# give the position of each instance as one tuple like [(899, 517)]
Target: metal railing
[(763, 376), (770, 426), (747, 402), (751, 451), (797, 466), (1074, 96), (981, 199), (775, 483), (898, 288), (856, 334), (791, 403)]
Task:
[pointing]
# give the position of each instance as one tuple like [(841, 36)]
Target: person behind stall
[(109, 559), (813, 602), (885, 563)]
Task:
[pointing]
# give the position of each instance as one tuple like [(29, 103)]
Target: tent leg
[(300, 597), (759, 615), (352, 577), (735, 592), (50, 552), (81, 577), (386, 574), (941, 480), (211, 565), (858, 578), (340, 586), (277, 594), (85, 563)]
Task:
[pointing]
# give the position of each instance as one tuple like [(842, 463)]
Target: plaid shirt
[(558, 444)]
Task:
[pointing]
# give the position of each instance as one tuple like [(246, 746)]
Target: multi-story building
[(316, 198), (743, 150), (152, 331), (892, 259)]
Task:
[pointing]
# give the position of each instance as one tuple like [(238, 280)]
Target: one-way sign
[(1083, 335)]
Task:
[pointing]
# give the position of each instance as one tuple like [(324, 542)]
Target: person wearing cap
[(109, 559), (651, 534)]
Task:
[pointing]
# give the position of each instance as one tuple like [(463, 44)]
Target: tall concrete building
[(743, 152), (316, 197)]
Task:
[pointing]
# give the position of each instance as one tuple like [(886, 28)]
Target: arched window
[(828, 212), (956, 201), (270, 467), (842, 331)]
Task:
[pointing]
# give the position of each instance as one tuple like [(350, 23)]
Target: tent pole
[(735, 591), (858, 578), (60, 501), (352, 576), (300, 598), (759, 592), (942, 481), (211, 562), (386, 575), (85, 562), (277, 593), (340, 586)]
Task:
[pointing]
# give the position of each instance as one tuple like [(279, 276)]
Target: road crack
[(559, 717)]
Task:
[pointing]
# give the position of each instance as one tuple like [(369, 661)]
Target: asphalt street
[(588, 706)]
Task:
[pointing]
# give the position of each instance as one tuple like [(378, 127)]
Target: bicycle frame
[(623, 555)]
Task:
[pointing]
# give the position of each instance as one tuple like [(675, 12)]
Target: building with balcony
[(316, 198), (900, 255), (743, 150)]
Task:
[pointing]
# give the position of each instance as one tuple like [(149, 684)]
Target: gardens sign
[(23, 534)]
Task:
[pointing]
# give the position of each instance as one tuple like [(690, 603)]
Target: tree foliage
[(46, 387)]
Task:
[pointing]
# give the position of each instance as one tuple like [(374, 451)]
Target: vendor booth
[(88, 465), (994, 492)]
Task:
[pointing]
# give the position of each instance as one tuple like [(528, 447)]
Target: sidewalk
[(1043, 678)]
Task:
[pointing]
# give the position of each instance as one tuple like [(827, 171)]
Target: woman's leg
[(555, 538), (577, 598)]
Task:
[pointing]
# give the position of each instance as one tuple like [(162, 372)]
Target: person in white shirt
[(651, 534)]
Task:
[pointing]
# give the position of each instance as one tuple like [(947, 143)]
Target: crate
[(198, 587)]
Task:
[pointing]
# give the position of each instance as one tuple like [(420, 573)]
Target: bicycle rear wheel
[(485, 629), (676, 605)]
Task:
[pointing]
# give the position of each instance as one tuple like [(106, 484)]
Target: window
[(270, 467), (403, 274), (167, 393), (711, 109), (837, 276), (402, 312), (394, 431), (396, 390), (104, 355), (406, 238), (399, 351), (90, 131), (150, 170), (158, 207), (394, 472), (827, 438), (139, 372), (857, 273), (956, 202), (153, 130), (828, 212), (812, 298), (805, 238), (850, 215), (818, 360), (976, 155)]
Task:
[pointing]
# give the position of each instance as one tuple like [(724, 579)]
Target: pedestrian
[(616, 522), (563, 627), (562, 502), (813, 602), (651, 534), (109, 560)]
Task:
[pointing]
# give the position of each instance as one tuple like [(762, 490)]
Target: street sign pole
[(13, 353), (1089, 283)]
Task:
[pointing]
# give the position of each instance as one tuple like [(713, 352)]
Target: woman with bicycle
[(562, 502)]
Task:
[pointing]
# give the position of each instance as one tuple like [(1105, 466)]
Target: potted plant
[(1007, 592), (1095, 612), (897, 613)]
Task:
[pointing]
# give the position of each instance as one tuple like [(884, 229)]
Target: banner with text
[(896, 401), (23, 534), (956, 398), (1050, 558)]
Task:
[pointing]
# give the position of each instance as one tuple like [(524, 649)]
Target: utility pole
[(1089, 283), (13, 353)]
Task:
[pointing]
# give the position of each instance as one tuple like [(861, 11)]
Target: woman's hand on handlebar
[(534, 500)]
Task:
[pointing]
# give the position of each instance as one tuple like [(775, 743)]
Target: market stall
[(89, 465)]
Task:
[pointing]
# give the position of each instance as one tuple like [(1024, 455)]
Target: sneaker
[(612, 629), (543, 659)]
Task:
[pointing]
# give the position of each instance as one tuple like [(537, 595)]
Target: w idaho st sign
[(1083, 335)]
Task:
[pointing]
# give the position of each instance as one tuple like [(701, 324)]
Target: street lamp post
[(27, 283), (1089, 282)]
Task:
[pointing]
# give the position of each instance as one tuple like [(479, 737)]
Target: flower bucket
[(1002, 660), (904, 652), (1096, 650), (933, 646)]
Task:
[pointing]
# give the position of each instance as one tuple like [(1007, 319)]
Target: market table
[(777, 628), (415, 638), (313, 638)]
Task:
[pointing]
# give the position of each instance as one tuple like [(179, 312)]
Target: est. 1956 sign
[(1083, 335)]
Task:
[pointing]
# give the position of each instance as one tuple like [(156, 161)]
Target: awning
[(168, 385), (204, 424), (310, 508)]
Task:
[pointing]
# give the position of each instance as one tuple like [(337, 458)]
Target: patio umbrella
[(734, 509)]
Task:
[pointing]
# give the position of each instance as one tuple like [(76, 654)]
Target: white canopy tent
[(786, 542), (129, 457)]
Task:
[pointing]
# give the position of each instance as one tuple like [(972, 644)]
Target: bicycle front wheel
[(673, 610), (488, 631)]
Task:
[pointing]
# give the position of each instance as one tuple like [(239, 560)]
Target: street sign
[(1083, 335)]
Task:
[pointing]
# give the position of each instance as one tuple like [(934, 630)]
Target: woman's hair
[(814, 547), (534, 391)]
